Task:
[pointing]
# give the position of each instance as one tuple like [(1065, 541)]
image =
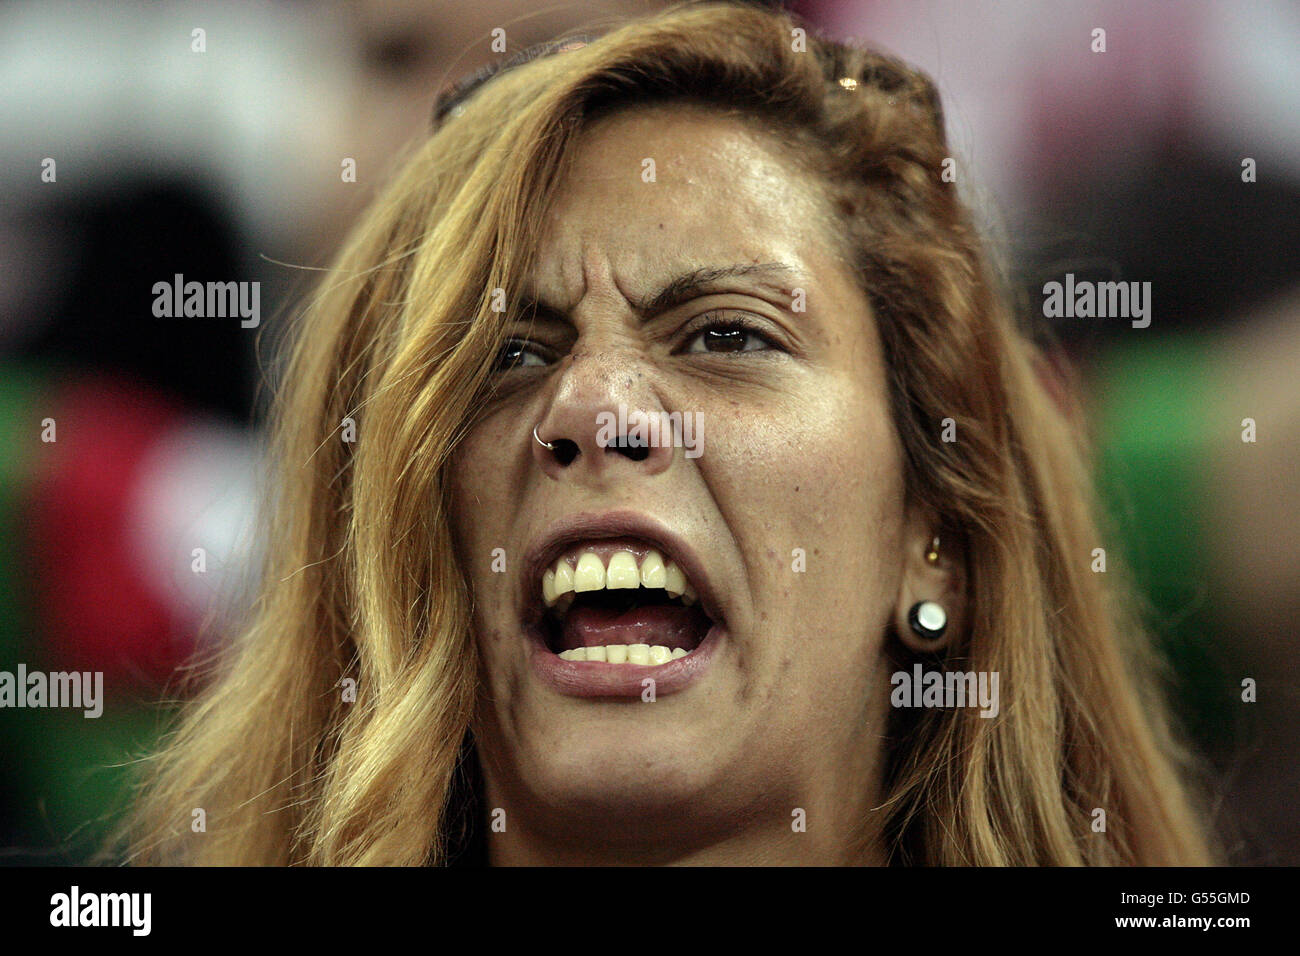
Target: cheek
[(467, 475), (482, 505), (812, 488)]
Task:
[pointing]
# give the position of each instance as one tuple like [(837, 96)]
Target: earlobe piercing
[(928, 619), (545, 444), (933, 554)]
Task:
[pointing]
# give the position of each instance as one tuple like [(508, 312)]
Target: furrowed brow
[(680, 289)]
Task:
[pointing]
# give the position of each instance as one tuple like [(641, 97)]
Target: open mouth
[(620, 602)]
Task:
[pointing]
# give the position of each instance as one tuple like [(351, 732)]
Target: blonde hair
[(361, 579)]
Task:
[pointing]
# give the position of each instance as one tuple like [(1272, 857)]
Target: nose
[(604, 420)]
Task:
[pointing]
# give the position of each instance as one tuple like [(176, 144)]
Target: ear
[(930, 574)]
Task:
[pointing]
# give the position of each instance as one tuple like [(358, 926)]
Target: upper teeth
[(592, 574)]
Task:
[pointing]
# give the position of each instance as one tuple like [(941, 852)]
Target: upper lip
[(588, 526)]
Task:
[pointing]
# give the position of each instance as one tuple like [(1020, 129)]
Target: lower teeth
[(644, 654)]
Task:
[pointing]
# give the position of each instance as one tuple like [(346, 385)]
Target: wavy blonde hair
[(362, 582)]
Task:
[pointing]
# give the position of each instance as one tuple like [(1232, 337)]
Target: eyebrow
[(685, 287), (699, 281)]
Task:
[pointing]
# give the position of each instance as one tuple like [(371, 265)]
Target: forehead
[(652, 185)]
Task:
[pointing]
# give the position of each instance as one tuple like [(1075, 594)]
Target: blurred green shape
[(77, 773), (1154, 406)]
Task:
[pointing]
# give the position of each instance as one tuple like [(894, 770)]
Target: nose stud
[(545, 444)]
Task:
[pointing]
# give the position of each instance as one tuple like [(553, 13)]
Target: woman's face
[(787, 513)]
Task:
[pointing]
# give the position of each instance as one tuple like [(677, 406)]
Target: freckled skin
[(790, 712)]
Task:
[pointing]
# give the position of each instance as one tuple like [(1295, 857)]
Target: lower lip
[(601, 679)]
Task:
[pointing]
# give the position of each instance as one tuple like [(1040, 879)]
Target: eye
[(717, 333), (517, 353)]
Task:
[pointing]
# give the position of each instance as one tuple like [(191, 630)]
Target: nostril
[(565, 450), (635, 450)]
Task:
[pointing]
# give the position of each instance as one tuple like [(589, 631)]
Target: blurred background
[(134, 149)]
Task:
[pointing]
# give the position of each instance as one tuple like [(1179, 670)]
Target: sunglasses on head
[(451, 101)]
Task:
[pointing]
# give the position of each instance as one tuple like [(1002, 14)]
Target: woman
[(653, 459)]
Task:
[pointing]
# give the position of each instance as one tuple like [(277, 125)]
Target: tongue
[(669, 625)]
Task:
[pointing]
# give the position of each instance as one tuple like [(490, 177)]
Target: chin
[(623, 772)]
